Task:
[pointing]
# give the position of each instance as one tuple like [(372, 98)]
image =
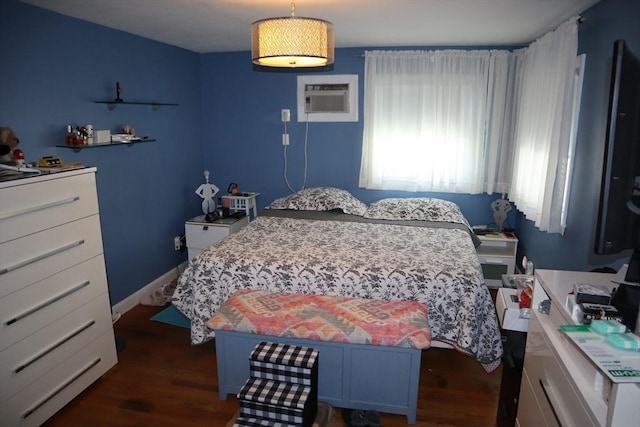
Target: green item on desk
[(605, 327), (627, 341)]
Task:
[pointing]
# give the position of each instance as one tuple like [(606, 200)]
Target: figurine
[(207, 191), (500, 208), (118, 92), (8, 143)]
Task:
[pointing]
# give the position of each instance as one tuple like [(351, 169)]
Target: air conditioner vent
[(326, 98), (330, 98)]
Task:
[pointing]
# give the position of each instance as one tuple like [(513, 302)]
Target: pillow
[(321, 199), (417, 208)]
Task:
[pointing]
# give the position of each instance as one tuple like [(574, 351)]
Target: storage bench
[(355, 337)]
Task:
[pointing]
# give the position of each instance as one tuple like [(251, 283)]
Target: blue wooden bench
[(358, 374)]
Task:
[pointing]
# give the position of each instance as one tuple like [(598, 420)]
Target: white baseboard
[(134, 299)]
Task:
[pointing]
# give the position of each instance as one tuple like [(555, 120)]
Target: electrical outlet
[(285, 115), (177, 243)]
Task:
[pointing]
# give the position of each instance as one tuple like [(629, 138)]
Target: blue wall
[(52, 69), (242, 128), (228, 121), (604, 23)]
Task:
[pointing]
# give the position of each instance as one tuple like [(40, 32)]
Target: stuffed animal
[(8, 141)]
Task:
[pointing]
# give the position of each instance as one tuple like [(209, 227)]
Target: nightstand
[(201, 234), (497, 255)]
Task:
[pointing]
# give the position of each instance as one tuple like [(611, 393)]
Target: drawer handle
[(39, 207), (41, 257), (548, 394), (60, 388), (47, 303), (54, 346)]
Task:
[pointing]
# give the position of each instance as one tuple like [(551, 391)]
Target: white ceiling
[(206, 26)]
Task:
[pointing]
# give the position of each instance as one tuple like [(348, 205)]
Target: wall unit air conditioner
[(328, 98)]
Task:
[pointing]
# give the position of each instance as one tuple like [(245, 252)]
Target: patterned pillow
[(321, 199), (418, 208)]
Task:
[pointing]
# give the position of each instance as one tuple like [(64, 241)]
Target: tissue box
[(101, 136)]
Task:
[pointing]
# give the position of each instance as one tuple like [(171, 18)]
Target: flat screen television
[(618, 225)]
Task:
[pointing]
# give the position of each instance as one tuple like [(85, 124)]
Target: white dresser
[(560, 385), (56, 333)]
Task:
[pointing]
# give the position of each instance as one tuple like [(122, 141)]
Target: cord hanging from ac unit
[(285, 144)]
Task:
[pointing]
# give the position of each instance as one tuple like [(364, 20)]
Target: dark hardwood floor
[(161, 380)]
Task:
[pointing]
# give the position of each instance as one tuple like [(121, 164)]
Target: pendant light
[(292, 41)]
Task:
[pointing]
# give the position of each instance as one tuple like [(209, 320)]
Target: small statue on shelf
[(118, 92)]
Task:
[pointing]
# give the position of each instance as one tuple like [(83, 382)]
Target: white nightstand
[(497, 255), (201, 234)]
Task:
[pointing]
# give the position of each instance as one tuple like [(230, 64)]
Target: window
[(425, 120), (476, 121)]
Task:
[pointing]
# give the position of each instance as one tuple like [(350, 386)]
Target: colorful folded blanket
[(325, 318)]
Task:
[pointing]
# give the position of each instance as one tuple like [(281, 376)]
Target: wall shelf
[(154, 105), (105, 144)]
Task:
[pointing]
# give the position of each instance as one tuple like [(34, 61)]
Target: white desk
[(560, 386)]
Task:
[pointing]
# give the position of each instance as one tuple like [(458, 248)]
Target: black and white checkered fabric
[(278, 401), (284, 354), (276, 393), (272, 371), (257, 422), (281, 362)]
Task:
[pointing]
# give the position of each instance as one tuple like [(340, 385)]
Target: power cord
[(306, 159)]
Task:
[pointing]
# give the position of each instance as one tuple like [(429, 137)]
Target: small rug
[(172, 316)]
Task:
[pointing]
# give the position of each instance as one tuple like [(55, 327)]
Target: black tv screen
[(618, 226)]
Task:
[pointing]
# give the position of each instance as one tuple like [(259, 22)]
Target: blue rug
[(172, 316)]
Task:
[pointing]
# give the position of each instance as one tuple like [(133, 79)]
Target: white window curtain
[(475, 121), (544, 98), (425, 121)]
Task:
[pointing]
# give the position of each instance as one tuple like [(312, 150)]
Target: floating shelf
[(105, 144), (154, 105)]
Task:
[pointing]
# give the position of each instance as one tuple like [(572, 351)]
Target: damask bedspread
[(433, 265)]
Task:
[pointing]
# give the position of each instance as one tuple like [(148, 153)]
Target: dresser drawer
[(39, 400), (530, 413), (32, 258), (557, 397), (34, 356), (24, 312), (203, 236), (35, 206)]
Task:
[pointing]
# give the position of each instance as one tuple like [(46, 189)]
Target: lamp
[(292, 42)]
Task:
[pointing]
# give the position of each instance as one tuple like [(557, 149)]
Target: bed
[(325, 241)]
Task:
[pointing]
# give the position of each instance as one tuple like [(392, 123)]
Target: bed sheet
[(435, 266)]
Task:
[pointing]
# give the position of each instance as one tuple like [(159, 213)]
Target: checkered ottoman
[(282, 362), (277, 401)]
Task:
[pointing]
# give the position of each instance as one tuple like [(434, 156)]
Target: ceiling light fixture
[(292, 42)]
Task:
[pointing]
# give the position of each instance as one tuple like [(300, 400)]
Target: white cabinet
[(497, 255), (56, 334), (560, 386), (201, 234)]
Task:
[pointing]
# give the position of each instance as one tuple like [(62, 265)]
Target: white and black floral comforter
[(436, 266)]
